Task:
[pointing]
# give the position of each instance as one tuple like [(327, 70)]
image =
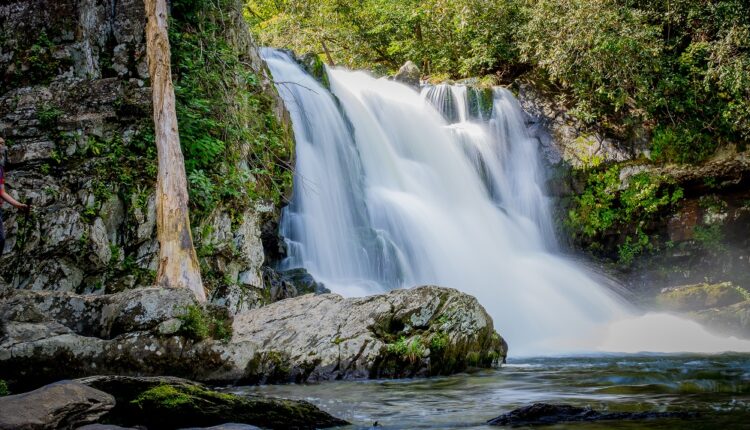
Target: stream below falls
[(717, 387)]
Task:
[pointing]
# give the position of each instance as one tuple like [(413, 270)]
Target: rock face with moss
[(47, 336), (75, 109), (653, 224), (723, 307), (415, 332), (169, 403)]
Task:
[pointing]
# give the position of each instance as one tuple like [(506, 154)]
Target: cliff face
[(75, 108), (699, 236)]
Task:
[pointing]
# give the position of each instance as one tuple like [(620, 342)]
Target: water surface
[(716, 386)]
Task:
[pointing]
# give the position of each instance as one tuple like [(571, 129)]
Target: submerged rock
[(408, 74), (169, 403), (48, 336), (62, 405), (547, 414)]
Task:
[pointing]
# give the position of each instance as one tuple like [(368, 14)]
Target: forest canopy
[(679, 67)]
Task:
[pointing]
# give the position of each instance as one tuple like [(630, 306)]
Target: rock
[(105, 316), (700, 297), (422, 331), (62, 405), (540, 414), (313, 65), (565, 138), (74, 97), (733, 320), (104, 427), (408, 74), (227, 426), (168, 403)]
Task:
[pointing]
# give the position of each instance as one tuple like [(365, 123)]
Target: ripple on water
[(718, 387)]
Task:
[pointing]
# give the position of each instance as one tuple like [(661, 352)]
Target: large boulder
[(540, 414), (700, 297), (408, 74), (169, 403), (420, 331), (62, 405)]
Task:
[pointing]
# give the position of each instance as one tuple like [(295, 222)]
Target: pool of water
[(717, 387)]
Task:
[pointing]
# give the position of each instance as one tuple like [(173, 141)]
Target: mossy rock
[(168, 403), (314, 66), (701, 296)]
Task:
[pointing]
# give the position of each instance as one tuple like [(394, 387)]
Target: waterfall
[(394, 189)]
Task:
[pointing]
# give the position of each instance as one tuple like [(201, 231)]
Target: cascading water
[(389, 194)]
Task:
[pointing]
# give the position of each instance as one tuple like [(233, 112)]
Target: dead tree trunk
[(178, 262)]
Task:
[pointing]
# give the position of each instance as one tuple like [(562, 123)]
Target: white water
[(388, 194)]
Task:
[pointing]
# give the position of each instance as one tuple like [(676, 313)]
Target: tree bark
[(178, 262)]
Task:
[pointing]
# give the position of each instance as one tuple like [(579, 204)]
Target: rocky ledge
[(50, 335), (158, 403)]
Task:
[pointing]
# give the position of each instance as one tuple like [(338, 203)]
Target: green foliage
[(680, 68), (606, 207), (48, 115), (3, 388), (603, 53), (194, 323), (408, 350), (198, 324), (439, 341), (235, 150), (457, 38), (710, 237)]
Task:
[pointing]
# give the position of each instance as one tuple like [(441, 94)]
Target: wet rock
[(567, 139), (408, 74), (168, 403), (733, 320), (62, 405), (419, 331), (700, 296), (227, 426), (422, 331), (313, 65), (540, 414), (105, 427)]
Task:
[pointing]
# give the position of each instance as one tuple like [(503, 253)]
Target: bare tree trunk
[(328, 53), (178, 262)]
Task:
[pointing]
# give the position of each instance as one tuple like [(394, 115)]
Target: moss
[(3, 388), (199, 323), (314, 66), (187, 405), (194, 323), (165, 396), (701, 296), (481, 101)]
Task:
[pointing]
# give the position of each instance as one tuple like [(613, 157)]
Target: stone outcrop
[(566, 139), (700, 297), (75, 109), (420, 331), (62, 405), (48, 336), (169, 403), (723, 308), (408, 74), (541, 414)]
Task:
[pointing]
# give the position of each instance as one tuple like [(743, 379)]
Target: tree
[(178, 261)]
